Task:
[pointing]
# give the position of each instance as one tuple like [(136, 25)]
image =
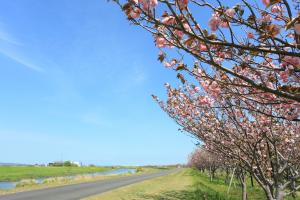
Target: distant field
[(54, 182), (16, 173)]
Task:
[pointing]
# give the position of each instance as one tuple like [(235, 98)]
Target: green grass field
[(16, 173), (188, 184)]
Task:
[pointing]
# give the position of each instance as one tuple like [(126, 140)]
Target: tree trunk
[(231, 179), (213, 172), (210, 173), (244, 188), (251, 178), (242, 177), (227, 176), (279, 193)]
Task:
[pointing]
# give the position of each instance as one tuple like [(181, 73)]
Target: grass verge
[(148, 189), (188, 184)]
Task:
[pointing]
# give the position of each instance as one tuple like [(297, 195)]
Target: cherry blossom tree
[(204, 160), (253, 45), (240, 71), (265, 147)]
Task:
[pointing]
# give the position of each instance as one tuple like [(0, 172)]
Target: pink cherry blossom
[(153, 3), (135, 13), (214, 89), (179, 34), (297, 28), (230, 12), (266, 18), (250, 35), (214, 22), (276, 30), (276, 9), (205, 85), (224, 24), (160, 42), (187, 27), (169, 20), (266, 2), (148, 4), (182, 3), (284, 75), (204, 100), (202, 47), (291, 61), (170, 64)]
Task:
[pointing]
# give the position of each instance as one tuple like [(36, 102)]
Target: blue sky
[(75, 84)]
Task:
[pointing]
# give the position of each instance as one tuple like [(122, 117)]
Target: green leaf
[(212, 36), (161, 57), (181, 66), (181, 78)]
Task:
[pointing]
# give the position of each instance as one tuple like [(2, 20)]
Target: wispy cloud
[(10, 47), (8, 38), (21, 60)]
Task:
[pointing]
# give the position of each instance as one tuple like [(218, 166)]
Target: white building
[(78, 164)]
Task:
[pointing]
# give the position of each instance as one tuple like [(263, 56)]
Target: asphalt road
[(78, 191)]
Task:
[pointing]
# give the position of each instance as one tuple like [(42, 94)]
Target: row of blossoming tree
[(206, 161), (203, 160), (239, 69)]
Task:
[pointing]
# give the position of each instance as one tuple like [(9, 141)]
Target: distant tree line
[(63, 164)]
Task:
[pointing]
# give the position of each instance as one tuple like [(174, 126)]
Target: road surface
[(82, 190)]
